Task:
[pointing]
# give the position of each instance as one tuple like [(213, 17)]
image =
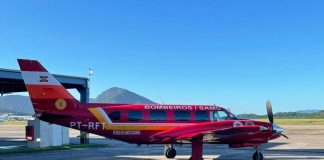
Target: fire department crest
[(60, 104), (237, 124), (249, 123)]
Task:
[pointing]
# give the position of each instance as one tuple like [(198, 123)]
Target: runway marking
[(154, 157), (11, 147), (293, 156)]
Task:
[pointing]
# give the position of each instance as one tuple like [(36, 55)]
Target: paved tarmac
[(305, 142)]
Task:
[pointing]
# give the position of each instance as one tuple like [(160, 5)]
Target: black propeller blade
[(276, 128), (269, 111), (284, 136)]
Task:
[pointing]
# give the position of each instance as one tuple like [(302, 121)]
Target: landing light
[(262, 128)]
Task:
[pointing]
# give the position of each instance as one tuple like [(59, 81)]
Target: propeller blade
[(269, 111), (284, 136)]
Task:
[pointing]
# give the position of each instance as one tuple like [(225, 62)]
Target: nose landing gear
[(257, 155)]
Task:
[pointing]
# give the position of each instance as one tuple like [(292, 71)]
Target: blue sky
[(236, 54)]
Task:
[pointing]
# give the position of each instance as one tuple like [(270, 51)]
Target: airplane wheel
[(170, 152), (257, 156)]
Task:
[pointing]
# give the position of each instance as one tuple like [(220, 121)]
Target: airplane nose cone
[(277, 128)]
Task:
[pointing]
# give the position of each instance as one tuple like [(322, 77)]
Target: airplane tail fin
[(46, 93)]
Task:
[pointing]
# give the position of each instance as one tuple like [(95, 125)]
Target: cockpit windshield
[(222, 115), (233, 116)]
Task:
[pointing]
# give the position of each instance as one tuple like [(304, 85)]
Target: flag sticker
[(43, 78)]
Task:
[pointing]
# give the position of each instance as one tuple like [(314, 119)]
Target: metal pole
[(84, 136), (85, 94)]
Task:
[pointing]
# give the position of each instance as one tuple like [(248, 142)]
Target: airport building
[(39, 133)]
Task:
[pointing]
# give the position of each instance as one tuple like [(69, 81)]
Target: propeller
[(269, 111), (284, 136), (275, 128)]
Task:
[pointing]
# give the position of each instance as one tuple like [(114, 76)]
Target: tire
[(257, 156), (170, 153)]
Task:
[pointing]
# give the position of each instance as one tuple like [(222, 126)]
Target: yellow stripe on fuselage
[(101, 119), (98, 115)]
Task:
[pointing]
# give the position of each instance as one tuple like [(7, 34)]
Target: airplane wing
[(211, 132)]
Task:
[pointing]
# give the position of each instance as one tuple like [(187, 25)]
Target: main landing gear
[(197, 148), (169, 151), (257, 155)]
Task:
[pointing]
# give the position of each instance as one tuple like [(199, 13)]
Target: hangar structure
[(11, 81)]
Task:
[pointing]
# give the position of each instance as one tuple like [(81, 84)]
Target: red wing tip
[(30, 65)]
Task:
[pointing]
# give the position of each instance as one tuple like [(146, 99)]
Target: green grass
[(14, 123), (297, 121), (33, 150)]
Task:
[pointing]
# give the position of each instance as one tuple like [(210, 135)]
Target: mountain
[(250, 116), (308, 111), (119, 95), (22, 104), (288, 115), (16, 104)]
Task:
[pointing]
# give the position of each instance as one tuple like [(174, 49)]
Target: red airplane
[(145, 123)]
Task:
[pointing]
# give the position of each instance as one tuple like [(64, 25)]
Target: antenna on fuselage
[(161, 100)]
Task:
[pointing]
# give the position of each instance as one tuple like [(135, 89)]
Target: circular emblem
[(237, 124), (60, 104), (249, 123)]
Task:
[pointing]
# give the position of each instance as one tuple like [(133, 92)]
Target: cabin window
[(181, 115), (201, 116), (220, 116), (158, 115), (134, 115), (114, 115)]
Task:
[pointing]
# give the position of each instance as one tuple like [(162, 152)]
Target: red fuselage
[(144, 124), (147, 124)]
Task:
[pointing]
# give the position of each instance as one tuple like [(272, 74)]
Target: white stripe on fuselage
[(108, 121), (34, 78)]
